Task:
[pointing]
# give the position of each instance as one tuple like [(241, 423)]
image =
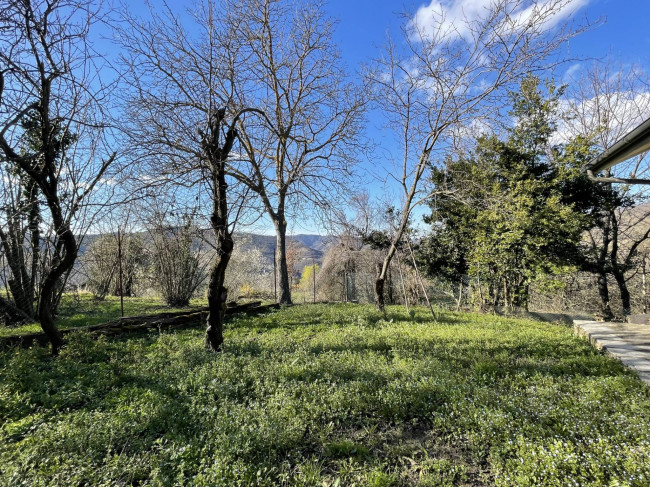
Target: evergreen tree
[(512, 211)]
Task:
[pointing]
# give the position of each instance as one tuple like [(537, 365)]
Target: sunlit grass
[(327, 395), (82, 309)]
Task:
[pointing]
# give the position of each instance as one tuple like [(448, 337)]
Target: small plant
[(305, 396), (346, 449)]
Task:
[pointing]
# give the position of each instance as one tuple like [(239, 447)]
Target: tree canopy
[(512, 210)]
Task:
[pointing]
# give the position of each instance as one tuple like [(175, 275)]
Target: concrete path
[(627, 342)]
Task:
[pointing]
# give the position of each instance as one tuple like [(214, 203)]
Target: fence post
[(119, 257)]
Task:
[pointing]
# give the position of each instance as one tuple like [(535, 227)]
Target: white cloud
[(457, 18), (464, 136), (572, 74), (610, 115), (109, 181), (562, 11)]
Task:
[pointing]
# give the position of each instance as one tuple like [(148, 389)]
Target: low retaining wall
[(628, 343)]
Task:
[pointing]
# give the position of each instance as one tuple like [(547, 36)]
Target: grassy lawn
[(79, 310), (327, 395)]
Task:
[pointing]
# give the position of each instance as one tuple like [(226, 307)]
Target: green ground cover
[(327, 395), (80, 310)]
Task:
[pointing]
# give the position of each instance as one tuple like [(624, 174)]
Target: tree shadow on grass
[(144, 407)]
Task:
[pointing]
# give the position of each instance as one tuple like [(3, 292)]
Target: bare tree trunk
[(617, 268), (216, 157), (23, 282), (379, 290), (50, 286), (275, 276), (281, 258), (34, 219), (599, 268), (20, 281), (623, 290), (11, 315), (603, 292), (645, 289), (217, 296), (382, 272)]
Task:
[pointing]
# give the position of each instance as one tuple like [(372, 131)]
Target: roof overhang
[(634, 143)]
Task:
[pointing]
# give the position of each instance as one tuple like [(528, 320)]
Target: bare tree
[(20, 237), (249, 271), (364, 238), (177, 265), (114, 260), (603, 105), (184, 118), (100, 265), (49, 81), (300, 157), (605, 101), (450, 76)]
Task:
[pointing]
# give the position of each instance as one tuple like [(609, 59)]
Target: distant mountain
[(308, 246), (316, 242)]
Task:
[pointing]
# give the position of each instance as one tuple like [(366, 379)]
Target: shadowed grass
[(81, 310), (327, 395)]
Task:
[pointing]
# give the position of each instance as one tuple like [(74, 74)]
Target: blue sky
[(624, 31), (619, 32)]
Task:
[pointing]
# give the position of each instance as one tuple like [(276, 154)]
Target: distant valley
[(307, 246)]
